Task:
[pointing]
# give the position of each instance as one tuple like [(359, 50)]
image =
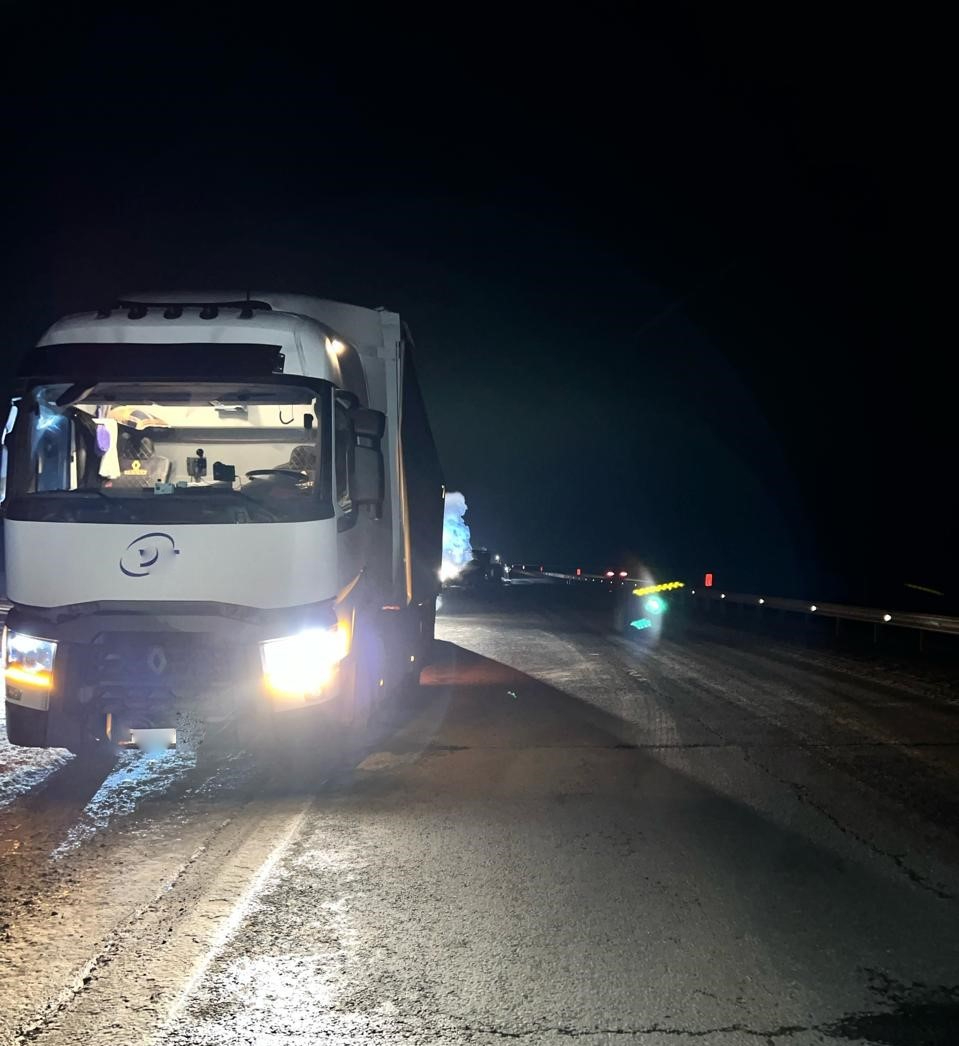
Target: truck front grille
[(164, 660)]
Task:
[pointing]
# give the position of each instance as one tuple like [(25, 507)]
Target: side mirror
[(368, 479)]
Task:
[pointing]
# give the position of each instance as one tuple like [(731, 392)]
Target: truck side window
[(343, 450)]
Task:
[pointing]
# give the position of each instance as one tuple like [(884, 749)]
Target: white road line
[(230, 924)]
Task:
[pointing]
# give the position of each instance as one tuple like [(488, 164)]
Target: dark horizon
[(670, 289)]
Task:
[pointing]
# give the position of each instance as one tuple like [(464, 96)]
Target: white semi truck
[(218, 508)]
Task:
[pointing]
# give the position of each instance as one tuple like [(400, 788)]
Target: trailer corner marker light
[(887, 617), (302, 665), (28, 660)]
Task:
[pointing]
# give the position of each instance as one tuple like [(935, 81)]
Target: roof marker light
[(887, 617)]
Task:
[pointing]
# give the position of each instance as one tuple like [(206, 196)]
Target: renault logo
[(156, 660)]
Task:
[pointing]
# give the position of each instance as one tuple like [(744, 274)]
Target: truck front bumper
[(122, 670)]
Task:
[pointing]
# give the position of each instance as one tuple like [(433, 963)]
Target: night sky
[(674, 280)]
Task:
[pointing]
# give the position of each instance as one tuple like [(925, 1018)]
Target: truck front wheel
[(368, 690)]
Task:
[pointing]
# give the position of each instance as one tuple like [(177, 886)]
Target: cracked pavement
[(713, 839)]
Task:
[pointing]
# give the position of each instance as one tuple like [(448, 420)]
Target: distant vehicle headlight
[(28, 659), (301, 666)]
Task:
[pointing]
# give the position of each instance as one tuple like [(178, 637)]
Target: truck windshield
[(166, 452)]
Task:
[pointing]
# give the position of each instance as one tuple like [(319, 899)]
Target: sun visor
[(138, 360)]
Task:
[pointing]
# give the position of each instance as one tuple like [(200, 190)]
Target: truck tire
[(364, 709), (26, 727), (300, 746), (309, 743)]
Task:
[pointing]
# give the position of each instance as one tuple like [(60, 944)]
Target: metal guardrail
[(939, 623), (615, 579), (934, 623), (921, 624)]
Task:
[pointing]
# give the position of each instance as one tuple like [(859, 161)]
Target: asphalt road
[(701, 837)]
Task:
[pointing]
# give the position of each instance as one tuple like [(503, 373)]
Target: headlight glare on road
[(302, 665), (28, 659)]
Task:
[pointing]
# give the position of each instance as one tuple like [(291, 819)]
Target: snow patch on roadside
[(22, 769), (135, 778)]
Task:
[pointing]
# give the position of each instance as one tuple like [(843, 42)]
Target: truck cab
[(221, 508)]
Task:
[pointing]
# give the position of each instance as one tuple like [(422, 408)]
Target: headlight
[(302, 665), (27, 659)]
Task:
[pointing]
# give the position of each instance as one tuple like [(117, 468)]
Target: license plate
[(154, 740)]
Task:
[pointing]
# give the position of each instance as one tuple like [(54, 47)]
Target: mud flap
[(427, 631)]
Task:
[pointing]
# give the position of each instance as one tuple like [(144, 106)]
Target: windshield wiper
[(86, 493), (134, 499), (115, 507), (219, 491)]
